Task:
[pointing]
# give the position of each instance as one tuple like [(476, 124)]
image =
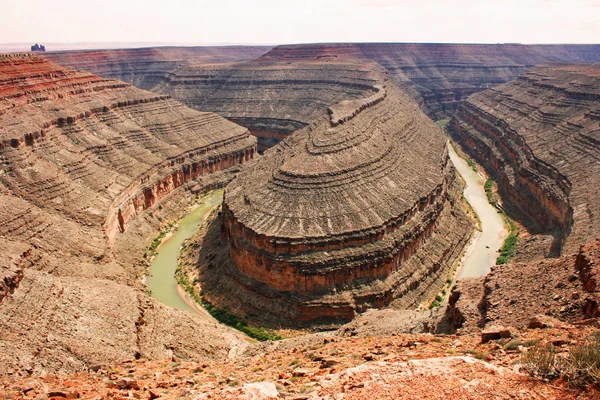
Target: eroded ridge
[(81, 160), (539, 136), (271, 99), (338, 219)]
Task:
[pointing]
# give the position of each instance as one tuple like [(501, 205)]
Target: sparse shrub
[(439, 298), (542, 362), (480, 355), (514, 344), (434, 304), (582, 366)]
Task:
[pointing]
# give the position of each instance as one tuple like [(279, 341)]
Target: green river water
[(162, 281), (483, 251)]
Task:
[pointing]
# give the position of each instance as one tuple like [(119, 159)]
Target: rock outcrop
[(564, 288), (346, 214), (86, 167), (539, 137)]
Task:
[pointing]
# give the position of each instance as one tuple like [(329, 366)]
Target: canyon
[(538, 136), (89, 170), (273, 92), (358, 210), (353, 206)]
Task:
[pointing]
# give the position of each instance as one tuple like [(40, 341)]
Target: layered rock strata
[(439, 76), (280, 91), (345, 215), (271, 99), (146, 68), (539, 137), (83, 159), (564, 288)]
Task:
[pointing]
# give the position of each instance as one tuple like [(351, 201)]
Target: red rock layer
[(340, 217), (539, 136), (81, 159)]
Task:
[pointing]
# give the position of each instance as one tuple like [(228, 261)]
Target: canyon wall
[(145, 68), (83, 159), (272, 100), (357, 210), (439, 76), (539, 137), (280, 90)]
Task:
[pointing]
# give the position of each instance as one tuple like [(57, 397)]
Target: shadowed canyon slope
[(539, 137), (357, 210), (86, 164)]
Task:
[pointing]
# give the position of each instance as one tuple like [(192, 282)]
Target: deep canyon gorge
[(341, 208)]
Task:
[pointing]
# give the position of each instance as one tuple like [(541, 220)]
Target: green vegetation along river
[(483, 251), (161, 281)]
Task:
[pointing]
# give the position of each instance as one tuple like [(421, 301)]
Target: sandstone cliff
[(85, 166), (279, 91), (539, 137), (271, 99)]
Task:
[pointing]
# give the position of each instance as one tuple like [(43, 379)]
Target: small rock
[(497, 332), (299, 372), (541, 322)]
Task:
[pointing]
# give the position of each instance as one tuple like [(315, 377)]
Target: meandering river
[(162, 281), (483, 251), (478, 259)]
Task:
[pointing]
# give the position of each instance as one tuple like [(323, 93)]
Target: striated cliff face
[(281, 90), (145, 68), (271, 99), (539, 136), (439, 76), (355, 211), (82, 160)]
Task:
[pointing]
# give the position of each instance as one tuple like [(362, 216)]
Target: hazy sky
[(300, 21)]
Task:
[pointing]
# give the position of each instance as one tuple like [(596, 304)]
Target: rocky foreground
[(330, 366), (90, 169), (376, 356)]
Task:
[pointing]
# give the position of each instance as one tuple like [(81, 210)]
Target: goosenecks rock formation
[(357, 210), (539, 137), (85, 166)]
